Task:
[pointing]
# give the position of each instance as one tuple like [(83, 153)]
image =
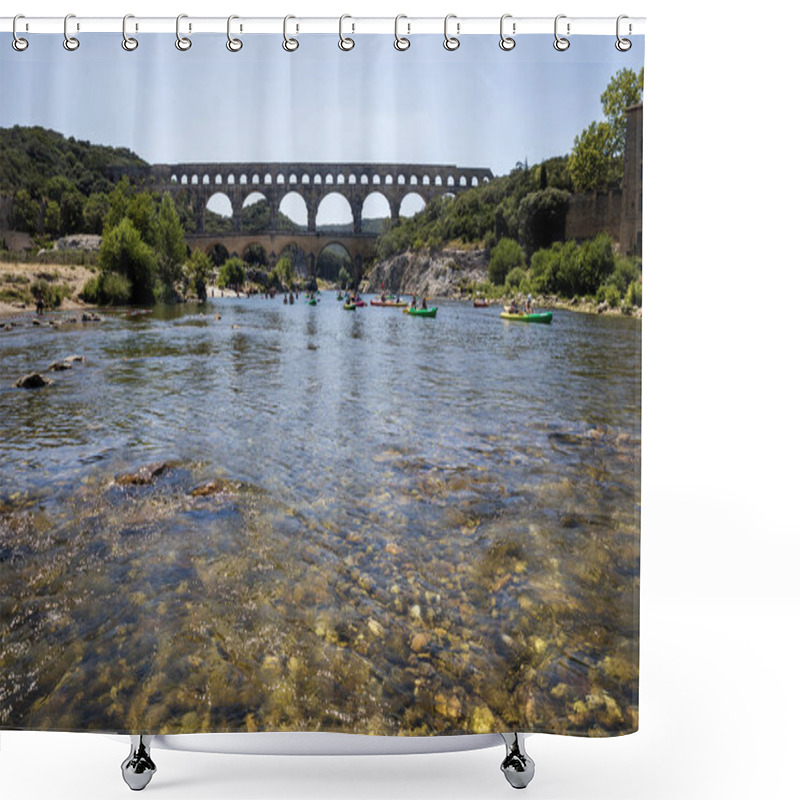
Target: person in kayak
[(424, 302), (413, 301)]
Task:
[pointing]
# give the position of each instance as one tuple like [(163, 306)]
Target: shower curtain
[(320, 383)]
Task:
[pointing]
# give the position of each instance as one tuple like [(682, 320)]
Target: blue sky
[(477, 106)]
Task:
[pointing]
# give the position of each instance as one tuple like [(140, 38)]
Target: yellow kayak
[(544, 317)]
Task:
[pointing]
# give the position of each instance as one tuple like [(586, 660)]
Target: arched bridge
[(313, 182)]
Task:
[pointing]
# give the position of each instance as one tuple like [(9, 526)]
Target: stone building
[(630, 233)]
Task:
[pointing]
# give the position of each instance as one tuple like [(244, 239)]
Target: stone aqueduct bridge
[(313, 182)]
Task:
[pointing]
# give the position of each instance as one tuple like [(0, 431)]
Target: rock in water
[(31, 381), (59, 366), (144, 475), (71, 359)]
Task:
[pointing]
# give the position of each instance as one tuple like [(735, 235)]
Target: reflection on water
[(294, 518)]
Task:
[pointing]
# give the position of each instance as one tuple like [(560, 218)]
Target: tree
[(344, 278), (596, 159), (142, 213), (284, 270), (255, 255), (623, 90), (592, 163), (197, 271), (72, 212), (122, 250), (231, 273), (52, 218), (57, 186), (506, 255), (170, 247), (542, 218), (95, 210), (26, 212)]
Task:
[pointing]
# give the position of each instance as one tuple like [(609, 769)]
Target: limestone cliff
[(433, 274)]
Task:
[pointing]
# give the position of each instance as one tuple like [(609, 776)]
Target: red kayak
[(480, 303), (359, 303)]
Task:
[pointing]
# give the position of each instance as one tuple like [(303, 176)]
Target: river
[(360, 521)]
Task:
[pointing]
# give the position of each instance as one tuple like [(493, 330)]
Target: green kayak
[(312, 302), (421, 312), (349, 306), (544, 317)]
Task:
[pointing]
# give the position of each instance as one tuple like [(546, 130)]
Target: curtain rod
[(406, 25)]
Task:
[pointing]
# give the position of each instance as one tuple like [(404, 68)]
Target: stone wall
[(592, 213)]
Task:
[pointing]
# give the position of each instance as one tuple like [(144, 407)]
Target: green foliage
[(123, 251), (570, 270), (51, 293), (284, 270), (26, 212), (95, 210), (344, 278), (624, 90), (506, 255), (52, 218), (108, 288), (197, 272), (255, 255), (332, 260), (218, 254), (542, 218), (31, 156), (170, 247), (71, 207), (596, 159), (231, 273), (611, 295), (515, 277), (633, 296), (593, 164)]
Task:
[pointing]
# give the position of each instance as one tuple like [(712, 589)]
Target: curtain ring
[(507, 42), (345, 42), (623, 45), (182, 42), (451, 42), (18, 43), (128, 42), (561, 43), (70, 42), (400, 42), (233, 44), (289, 44)]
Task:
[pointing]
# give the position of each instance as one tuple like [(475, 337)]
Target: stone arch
[(462, 181), (293, 179), (317, 179), (305, 180), (376, 180), (340, 180), (219, 213), (364, 180), (426, 181), (231, 179), (329, 179), (280, 179), (474, 181), (376, 206), (401, 180), (206, 180), (389, 180), (412, 203), (217, 252), (184, 180), (351, 179), (243, 180), (451, 181), (173, 179), (256, 216), (437, 181), (412, 181), (268, 179), (255, 179), (328, 268), (293, 206), (334, 210), (194, 180)]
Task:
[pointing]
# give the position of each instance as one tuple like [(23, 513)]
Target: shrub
[(516, 277), (612, 295), (231, 273), (52, 293), (108, 288), (506, 255), (123, 252), (633, 297)]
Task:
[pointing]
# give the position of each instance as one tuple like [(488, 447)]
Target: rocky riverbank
[(453, 274)]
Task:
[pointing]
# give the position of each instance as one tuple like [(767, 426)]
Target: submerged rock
[(59, 366), (90, 317), (143, 476), (31, 381), (72, 359), (212, 487)]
